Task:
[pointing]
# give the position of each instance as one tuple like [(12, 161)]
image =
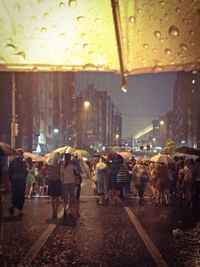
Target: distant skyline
[(149, 96)]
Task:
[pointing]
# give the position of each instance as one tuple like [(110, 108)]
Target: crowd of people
[(164, 181), (115, 178), (60, 179)]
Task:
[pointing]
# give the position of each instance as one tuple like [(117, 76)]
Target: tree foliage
[(169, 147)]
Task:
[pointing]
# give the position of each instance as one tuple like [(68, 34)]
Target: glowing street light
[(86, 104)]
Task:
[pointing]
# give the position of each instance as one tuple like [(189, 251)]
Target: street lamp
[(56, 131), (86, 106)]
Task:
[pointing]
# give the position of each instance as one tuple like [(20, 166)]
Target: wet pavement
[(102, 235)]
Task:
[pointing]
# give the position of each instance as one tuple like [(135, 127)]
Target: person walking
[(54, 185), (101, 175), (17, 173), (68, 184), (122, 175), (30, 179)]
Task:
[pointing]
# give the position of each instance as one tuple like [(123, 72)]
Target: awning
[(80, 35)]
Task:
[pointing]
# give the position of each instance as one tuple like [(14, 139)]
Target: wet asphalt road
[(103, 236)]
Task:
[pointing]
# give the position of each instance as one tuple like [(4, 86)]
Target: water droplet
[(198, 12), (45, 15), (166, 15), (43, 29), (139, 10), (161, 40), (61, 5), (80, 18), (183, 47), (97, 20), (173, 31), (178, 10), (168, 51), (162, 3), (162, 21), (131, 19), (139, 31), (157, 34), (145, 46), (185, 21), (192, 43), (191, 32), (17, 7), (155, 50), (157, 68), (86, 47), (72, 3)]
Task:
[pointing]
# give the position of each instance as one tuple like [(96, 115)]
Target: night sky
[(149, 96)]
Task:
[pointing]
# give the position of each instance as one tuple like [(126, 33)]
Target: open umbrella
[(27, 154), (161, 158), (82, 153), (7, 150), (126, 154), (127, 36), (188, 151)]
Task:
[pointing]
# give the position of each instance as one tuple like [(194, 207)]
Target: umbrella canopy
[(188, 151), (126, 154), (161, 158), (59, 150), (82, 153), (37, 159), (27, 154), (7, 150), (129, 36)]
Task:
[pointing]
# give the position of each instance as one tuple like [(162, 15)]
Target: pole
[(13, 122)]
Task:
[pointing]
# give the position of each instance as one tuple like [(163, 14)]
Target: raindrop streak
[(131, 19), (72, 3), (173, 31), (22, 54), (168, 51), (11, 46), (157, 34)]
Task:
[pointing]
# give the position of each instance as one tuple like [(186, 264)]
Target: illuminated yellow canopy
[(80, 35)]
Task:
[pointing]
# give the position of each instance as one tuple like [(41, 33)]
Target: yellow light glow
[(80, 36)]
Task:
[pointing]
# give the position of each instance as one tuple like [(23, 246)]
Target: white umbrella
[(161, 158)]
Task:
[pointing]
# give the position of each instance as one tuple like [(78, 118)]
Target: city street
[(125, 234)]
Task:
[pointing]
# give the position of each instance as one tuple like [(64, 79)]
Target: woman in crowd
[(54, 184), (30, 179), (101, 176), (68, 183)]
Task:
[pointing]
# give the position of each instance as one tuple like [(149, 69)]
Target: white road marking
[(40, 242), (160, 262)]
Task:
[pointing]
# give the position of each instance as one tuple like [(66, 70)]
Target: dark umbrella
[(7, 150), (188, 150)]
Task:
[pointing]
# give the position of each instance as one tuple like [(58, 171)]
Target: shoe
[(11, 211)]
